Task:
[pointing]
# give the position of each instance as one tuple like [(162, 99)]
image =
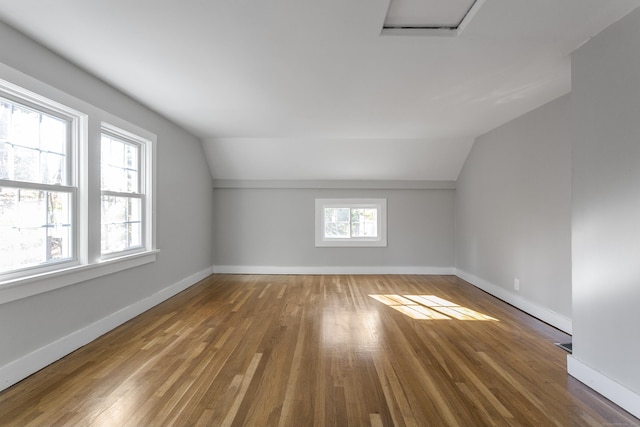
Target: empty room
[(320, 213)]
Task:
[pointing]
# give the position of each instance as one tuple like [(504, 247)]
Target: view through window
[(36, 195), (351, 222), (122, 204)]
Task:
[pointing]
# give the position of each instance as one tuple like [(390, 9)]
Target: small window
[(351, 222), (123, 192)]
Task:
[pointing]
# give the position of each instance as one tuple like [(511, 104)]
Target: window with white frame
[(70, 211), (351, 222), (122, 184), (38, 185)]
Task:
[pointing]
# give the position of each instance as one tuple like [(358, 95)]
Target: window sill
[(16, 289), (351, 243)]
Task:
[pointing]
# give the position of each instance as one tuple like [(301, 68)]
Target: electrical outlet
[(516, 284)]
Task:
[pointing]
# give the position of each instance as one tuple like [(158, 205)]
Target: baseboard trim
[(551, 317), (21, 368), (293, 270), (617, 393)]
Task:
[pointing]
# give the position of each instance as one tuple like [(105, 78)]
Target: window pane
[(121, 223), (364, 222), (53, 135), (35, 226), (25, 127), (336, 223), (26, 164), (53, 168)]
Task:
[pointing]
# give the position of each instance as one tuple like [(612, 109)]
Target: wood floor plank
[(286, 417), (378, 350)]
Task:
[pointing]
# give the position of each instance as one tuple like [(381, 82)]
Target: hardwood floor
[(317, 351)]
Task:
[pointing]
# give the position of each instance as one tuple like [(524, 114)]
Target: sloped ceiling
[(306, 89)]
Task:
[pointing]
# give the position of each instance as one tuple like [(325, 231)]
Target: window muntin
[(122, 201), (351, 222), (37, 192)]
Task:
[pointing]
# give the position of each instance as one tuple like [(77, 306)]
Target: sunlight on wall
[(430, 307)]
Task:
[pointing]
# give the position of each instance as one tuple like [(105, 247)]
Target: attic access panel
[(429, 17)]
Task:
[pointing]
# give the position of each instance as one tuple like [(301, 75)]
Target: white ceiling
[(308, 89)]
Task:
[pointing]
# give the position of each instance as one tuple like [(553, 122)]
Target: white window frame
[(379, 241), (88, 263), (145, 178), (77, 122)]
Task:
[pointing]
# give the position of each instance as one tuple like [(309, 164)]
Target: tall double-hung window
[(123, 191), (38, 183)]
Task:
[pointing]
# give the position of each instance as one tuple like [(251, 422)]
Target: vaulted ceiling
[(307, 89)]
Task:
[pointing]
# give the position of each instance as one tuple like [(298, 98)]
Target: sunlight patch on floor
[(430, 307)]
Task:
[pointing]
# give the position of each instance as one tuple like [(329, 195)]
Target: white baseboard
[(617, 393), (551, 317), (19, 369), (242, 269)]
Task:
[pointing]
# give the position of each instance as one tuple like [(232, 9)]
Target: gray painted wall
[(275, 227), (606, 203), (184, 210), (513, 210)]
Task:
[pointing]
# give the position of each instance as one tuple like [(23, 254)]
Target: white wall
[(513, 213), (273, 229), (606, 212), (36, 330)]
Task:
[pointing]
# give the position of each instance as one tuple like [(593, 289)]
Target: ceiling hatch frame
[(432, 30)]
